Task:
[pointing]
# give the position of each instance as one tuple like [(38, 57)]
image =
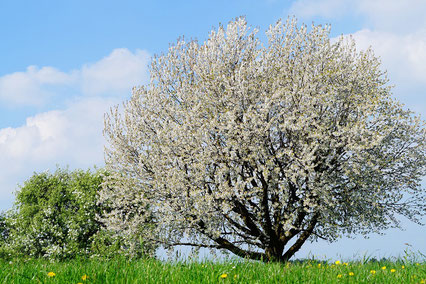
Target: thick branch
[(225, 244), (302, 238), (267, 225), (248, 220)]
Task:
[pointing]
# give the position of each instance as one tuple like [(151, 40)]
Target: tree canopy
[(56, 215), (256, 148)]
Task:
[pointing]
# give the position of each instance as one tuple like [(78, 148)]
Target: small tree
[(257, 149), (57, 215)]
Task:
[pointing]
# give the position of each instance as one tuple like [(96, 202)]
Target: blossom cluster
[(243, 146)]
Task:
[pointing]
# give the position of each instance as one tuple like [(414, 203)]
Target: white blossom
[(244, 146)]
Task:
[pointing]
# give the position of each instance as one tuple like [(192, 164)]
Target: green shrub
[(57, 216), (4, 234)]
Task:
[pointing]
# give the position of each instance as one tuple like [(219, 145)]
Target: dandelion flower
[(223, 276), (339, 276), (383, 267), (84, 277), (351, 273), (373, 272), (345, 263), (319, 265), (337, 262), (51, 274), (393, 270), (403, 267)]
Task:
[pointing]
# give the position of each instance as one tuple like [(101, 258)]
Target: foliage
[(258, 148), (4, 235), (4, 230), (56, 215)]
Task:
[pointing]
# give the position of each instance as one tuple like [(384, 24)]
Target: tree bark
[(301, 240)]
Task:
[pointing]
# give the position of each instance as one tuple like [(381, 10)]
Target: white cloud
[(403, 55), (32, 86), (113, 75), (59, 134), (395, 29), (394, 16), (72, 136)]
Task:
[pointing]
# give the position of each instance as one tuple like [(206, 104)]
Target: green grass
[(155, 271)]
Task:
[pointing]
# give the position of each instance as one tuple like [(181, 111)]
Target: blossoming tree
[(258, 148)]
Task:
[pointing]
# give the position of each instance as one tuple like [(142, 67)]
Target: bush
[(57, 215), (4, 234)]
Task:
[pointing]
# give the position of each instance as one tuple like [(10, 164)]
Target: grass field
[(154, 271)]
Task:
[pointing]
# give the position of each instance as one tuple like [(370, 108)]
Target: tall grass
[(121, 270)]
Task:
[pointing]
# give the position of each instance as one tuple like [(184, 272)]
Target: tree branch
[(302, 238)]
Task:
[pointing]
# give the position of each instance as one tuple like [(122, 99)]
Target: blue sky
[(64, 63)]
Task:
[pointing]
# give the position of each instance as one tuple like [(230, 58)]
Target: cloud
[(72, 136), (394, 16), (396, 30), (403, 55), (32, 86), (404, 58), (113, 75)]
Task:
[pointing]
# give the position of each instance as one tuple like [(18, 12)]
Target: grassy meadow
[(122, 270)]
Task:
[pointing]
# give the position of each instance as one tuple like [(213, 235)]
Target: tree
[(4, 230), (56, 215), (258, 148)]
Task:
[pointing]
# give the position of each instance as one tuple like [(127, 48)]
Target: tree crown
[(242, 146)]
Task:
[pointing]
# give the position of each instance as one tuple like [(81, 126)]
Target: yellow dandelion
[(339, 276), (383, 267), (393, 270), (51, 274), (319, 265), (235, 276), (223, 276), (373, 272), (417, 263), (351, 273), (84, 277), (403, 267), (423, 281), (337, 262), (345, 263)]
